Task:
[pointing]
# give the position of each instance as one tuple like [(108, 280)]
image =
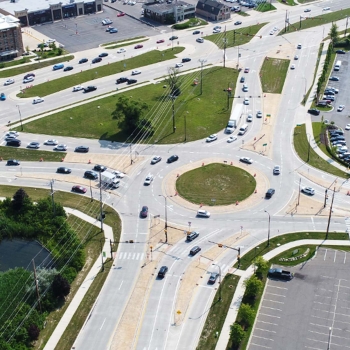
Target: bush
[(237, 334)]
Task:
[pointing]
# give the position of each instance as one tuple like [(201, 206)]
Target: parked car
[(14, 142), (82, 149), (78, 189), (64, 170), (96, 60), (144, 211), (341, 51), (333, 78), (172, 159), (113, 30), (280, 274)]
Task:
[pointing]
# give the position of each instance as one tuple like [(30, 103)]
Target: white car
[(249, 118), (148, 180), (203, 213), (9, 81), (121, 51), (215, 31), (51, 142), (340, 108), (119, 174), (34, 145), (28, 80), (272, 32), (245, 88), (275, 29), (259, 114), (178, 65), (308, 190), (38, 100), (347, 127), (292, 66), (246, 101), (276, 170), (78, 88), (200, 40), (211, 138), (135, 72), (12, 133), (156, 159), (296, 57), (232, 138), (61, 148), (246, 160), (50, 41)]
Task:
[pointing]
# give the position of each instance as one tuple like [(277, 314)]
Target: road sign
[(178, 312), (189, 223), (268, 115)]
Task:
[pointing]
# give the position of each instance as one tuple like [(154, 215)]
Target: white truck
[(109, 179), (236, 114)]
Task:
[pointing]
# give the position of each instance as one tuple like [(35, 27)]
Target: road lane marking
[(120, 285), (102, 324)]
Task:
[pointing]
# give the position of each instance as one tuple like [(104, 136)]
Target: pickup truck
[(280, 274)]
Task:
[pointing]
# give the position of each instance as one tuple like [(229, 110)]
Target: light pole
[(219, 280), (202, 61), (255, 255), (166, 218), (268, 232), (20, 117), (308, 149), (102, 267), (173, 112), (329, 338)]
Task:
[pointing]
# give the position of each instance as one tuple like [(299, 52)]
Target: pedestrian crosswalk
[(130, 256)]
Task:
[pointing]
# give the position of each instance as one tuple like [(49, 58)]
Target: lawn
[(97, 72), (288, 2), (190, 23), (301, 146), (294, 252), (224, 183), (17, 62), (204, 114), (273, 74), (125, 40), (264, 7), (30, 155), (31, 67), (235, 37), (118, 45), (217, 313), (318, 128)]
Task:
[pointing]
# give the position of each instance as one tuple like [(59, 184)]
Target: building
[(169, 12), (213, 10), (32, 12), (11, 44)]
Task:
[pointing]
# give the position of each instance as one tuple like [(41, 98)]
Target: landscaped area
[(30, 155), (264, 7), (136, 38), (223, 183), (204, 113), (273, 74), (190, 23)]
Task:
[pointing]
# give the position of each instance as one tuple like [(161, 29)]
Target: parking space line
[(278, 295), (256, 336), (265, 330), (272, 308), (275, 301), (274, 324), (318, 302), (311, 347), (261, 346), (269, 315), (318, 332), (269, 286)]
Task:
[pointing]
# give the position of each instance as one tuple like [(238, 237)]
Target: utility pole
[(101, 205), (225, 41), (346, 25), (300, 22), (52, 198), (173, 109), (268, 232), (202, 61), (234, 37), (299, 191), (166, 218), (330, 214), (20, 117), (91, 192), (308, 149), (285, 22), (131, 161), (325, 198), (36, 285), (185, 115), (172, 39)]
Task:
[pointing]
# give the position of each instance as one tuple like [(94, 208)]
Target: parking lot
[(312, 311)]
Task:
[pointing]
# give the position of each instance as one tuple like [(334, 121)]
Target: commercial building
[(32, 12), (11, 44), (213, 10)]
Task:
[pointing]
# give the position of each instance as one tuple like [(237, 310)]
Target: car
[(245, 88), (213, 277), (51, 142), (121, 50), (33, 144), (299, 46), (119, 174), (259, 114), (270, 192), (329, 98), (246, 101), (122, 80), (148, 180), (296, 57), (38, 100), (196, 32), (9, 81), (89, 174), (160, 41), (50, 41), (103, 54), (13, 162), (174, 37), (135, 72), (232, 138), (278, 273), (162, 271), (68, 68), (246, 70), (333, 78), (276, 170), (61, 147), (249, 118), (200, 40), (195, 250), (340, 108), (307, 10), (272, 32), (217, 27), (100, 168), (326, 9), (78, 88), (144, 211), (96, 60), (203, 213), (216, 31), (79, 189), (156, 159), (64, 170), (106, 21), (42, 45), (211, 138), (178, 65), (82, 149), (341, 51), (308, 190), (238, 23), (347, 127), (14, 142), (246, 160), (90, 88), (292, 66), (10, 137), (12, 133), (139, 46), (109, 28), (242, 80), (2, 96), (113, 30), (121, 14), (186, 59), (132, 81), (191, 236), (29, 75), (28, 80), (172, 159), (83, 60)]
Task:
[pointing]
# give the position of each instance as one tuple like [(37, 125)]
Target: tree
[(237, 334), (246, 315), (33, 332), (253, 287), (129, 114), (60, 286), (20, 199), (173, 80), (261, 265), (334, 34)]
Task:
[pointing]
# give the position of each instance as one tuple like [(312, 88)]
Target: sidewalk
[(84, 287), (237, 298)]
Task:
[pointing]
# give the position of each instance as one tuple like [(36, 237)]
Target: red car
[(160, 41), (246, 70), (79, 189), (138, 46), (120, 14)]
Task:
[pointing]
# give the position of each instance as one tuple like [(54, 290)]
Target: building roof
[(165, 7), (7, 22), (210, 6)]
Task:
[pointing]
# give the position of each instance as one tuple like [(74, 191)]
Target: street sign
[(178, 312), (268, 115)]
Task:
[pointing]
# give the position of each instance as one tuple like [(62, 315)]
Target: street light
[(219, 280), (308, 150), (255, 255), (20, 117), (102, 267), (166, 218), (268, 232)]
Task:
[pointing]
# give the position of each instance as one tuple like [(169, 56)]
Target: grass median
[(273, 74), (29, 155), (264, 7), (97, 72)]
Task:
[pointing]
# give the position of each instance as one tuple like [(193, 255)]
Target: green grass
[(288, 2), (264, 7), (17, 62), (305, 1), (125, 40), (117, 46), (205, 114), (224, 183), (289, 254), (242, 13), (47, 53), (235, 37), (301, 146), (318, 128), (29, 155), (317, 21), (97, 72), (273, 74), (217, 313), (190, 23), (247, 258), (31, 67)]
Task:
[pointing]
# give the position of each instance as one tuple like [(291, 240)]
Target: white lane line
[(102, 324), (120, 285)]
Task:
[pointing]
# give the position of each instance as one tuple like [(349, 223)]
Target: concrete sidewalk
[(237, 298), (84, 287)]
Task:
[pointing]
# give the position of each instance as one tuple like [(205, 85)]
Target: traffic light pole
[(220, 245)]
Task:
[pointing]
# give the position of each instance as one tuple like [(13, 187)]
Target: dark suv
[(13, 162), (122, 80), (89, 174), (162, 271), (14, 142), (195, 250), (64, 170), (173, 158), (90, 88), (192, 236), (96, 60), (270, 192)]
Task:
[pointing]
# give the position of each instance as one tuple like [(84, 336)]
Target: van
[(337, 66), (230, 127), (243, 129), (58, 66)]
